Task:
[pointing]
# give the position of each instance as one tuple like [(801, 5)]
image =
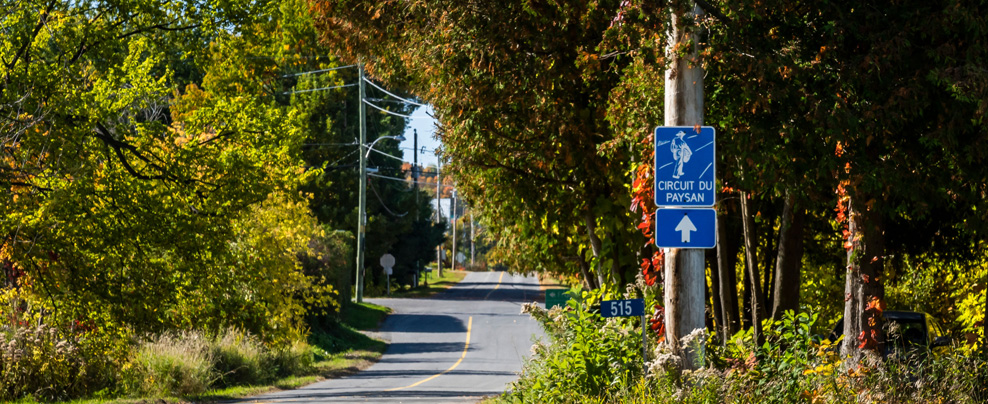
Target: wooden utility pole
[(685, 278), (473, 251), (362, 204), (452, 218), (439, 212)]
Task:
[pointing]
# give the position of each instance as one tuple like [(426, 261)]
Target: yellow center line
[(495, 286), (463, 355)]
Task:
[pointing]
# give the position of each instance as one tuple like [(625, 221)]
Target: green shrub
[(327, 262), (241, 358), (587, 359), (171, 364), (586, 356), (39, 362), (295, 359)]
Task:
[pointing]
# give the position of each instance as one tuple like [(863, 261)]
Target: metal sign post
[(388, 262), (644, 347), (628, 308)]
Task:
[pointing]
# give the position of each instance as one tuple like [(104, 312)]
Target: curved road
[(458, 346)]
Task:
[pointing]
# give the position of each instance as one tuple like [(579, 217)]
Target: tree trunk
[(751, 261), (684, 274), (616, 271), (746, 298), (864, 289), (727, 256), (684, 288), (595, 245), (768, 258), (789, 259), (713, 292), (588, 279)]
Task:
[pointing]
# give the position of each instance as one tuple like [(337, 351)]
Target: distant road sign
[(685, 228), (685, 166), (622, 308), (387, 260), (555, 297)]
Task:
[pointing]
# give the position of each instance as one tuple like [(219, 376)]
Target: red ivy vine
[(643, 199)]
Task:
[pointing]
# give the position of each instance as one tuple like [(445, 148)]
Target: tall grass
[(38, 361), (171, 364), (241, 359), (189, 363)]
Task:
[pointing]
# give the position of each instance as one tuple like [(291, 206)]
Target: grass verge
[(436, 284), (340, 349)]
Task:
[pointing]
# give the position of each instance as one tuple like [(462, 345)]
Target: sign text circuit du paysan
[(685, 170), (691, 192)]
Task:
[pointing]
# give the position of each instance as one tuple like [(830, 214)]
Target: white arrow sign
[(685, 226)]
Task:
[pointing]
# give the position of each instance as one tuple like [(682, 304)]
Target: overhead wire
[(317, 71), (407, 101), (389, 112), (379, 199), (388, 155), (342, 158), (402, 180), (318, 89), (329, 144)]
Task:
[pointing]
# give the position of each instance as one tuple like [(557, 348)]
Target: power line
[(317, 71), (407, 101), (343, 158), (329, 144), (388, 155), (389, 112), (423, 149), (406, 180), (383, 205), (318, 89)]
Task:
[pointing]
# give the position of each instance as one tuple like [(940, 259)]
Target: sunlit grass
[(436, 284), (339, 347)]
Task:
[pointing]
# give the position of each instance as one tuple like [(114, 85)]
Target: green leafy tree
[(520, 92), (131, 205)]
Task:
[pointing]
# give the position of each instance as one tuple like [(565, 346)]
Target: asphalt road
[(463, 344)]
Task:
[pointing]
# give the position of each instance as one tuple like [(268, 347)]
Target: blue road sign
[(622, 308), (685, 228), (684, 166)]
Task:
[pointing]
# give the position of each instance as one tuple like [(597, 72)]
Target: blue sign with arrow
[(685, 228), (685, 166)]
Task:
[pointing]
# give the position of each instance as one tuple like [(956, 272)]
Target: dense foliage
[(170, 174), (849, 146), (590, 359)]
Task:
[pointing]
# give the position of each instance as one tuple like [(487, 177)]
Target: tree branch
[(710, 9)]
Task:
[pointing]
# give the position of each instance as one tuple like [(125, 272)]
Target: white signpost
[(388, 263)]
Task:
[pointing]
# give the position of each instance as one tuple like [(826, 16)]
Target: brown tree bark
[(727, 261), (588, 279), (595, 245), (788, 264), (758, 312), (713, 293), (616, 271), (767, 258), (864, 289)]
